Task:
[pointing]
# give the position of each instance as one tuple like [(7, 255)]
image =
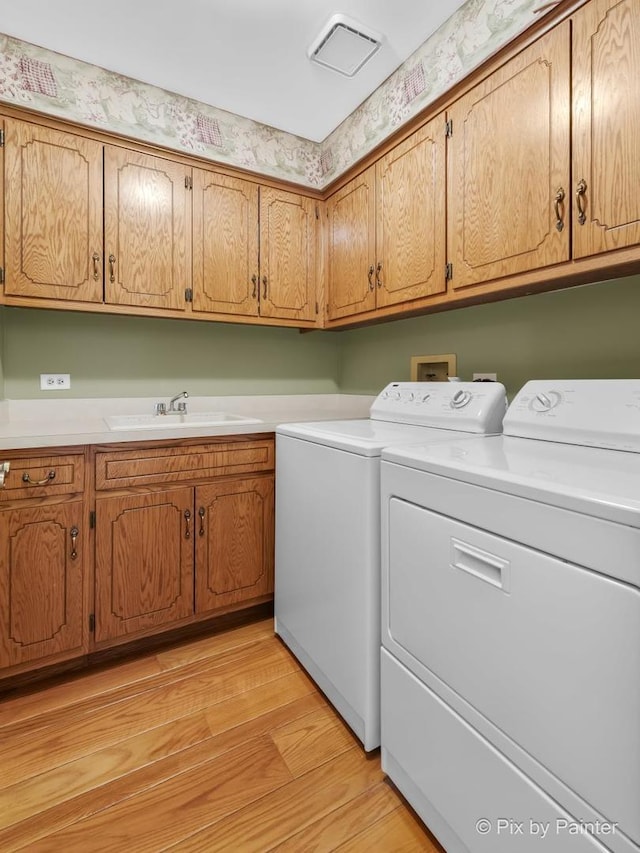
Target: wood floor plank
[(33, 753), (400, 831), (208, 647), (32, 796), (72, 689), (343, 823), (310, 741), (274, 696), (124, 681), (274, 818), (168, 812)]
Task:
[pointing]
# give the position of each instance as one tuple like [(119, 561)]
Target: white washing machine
[(511, 626), (327, 565)]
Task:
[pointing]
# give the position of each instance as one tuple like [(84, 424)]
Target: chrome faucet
[(161, 408)]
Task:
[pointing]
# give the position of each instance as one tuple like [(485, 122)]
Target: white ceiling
[(245, 56)]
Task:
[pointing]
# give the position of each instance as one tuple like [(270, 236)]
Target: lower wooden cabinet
[(182, 531), (234, 542), (41, 582), (144, 561)]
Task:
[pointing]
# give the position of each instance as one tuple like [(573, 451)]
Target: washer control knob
[(460, 399), (545, 402), (411, 397), (425, 397), (397, 395)]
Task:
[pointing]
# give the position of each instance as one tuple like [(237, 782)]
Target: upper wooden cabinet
[(287, 255), (225, 244), (53, 214), (606, 126), (352, 247), (508, 165), (147, 230), (254, 249), (387, 228)]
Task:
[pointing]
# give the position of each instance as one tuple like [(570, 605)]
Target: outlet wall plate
[(55, 381)]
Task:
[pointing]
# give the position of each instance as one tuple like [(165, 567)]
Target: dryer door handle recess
[(481, 564)]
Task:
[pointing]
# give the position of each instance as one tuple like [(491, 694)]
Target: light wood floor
[(221, 743)]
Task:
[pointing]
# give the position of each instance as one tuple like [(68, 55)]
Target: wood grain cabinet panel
[(606, 126), (41, 582), (144, 561), (351, 216), (411, 218), (508, 162), (53, 214), (225, 244), (147, 230), (234, 542), (287, 255), (43, 477)]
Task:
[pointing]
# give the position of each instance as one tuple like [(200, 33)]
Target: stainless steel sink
[(191, 419)]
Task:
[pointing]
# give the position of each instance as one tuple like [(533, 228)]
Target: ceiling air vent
[(344, 45)]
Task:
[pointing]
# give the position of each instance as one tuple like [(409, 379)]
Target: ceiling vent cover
[(344, 45)]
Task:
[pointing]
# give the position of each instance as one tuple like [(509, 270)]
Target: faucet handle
[(161, 408), (182, 407)]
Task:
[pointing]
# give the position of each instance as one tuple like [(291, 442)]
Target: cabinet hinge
[(92, 518), (317, 212), (188, 182), (317, 308), (1, 138), (448, 272), (188, 295), (1, 275), (92, 622), (448, 128)]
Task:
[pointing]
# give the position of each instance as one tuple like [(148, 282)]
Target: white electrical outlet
[(55, 381), (492, 376)]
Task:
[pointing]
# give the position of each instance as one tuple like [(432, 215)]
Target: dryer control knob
[(545, 402), (460, 399)]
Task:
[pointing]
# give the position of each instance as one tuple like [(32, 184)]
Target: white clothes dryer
[(511, 626), (327, 563)]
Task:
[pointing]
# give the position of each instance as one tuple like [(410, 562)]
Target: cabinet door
[(41, 582), (53, 214), (234, 541), (147, 225), (144, 561), (411, 218), (225, 244), (508, 162), (606, 126), (287, 255), (352, 247)]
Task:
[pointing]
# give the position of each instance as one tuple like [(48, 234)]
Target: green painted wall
[(585, 332), (110, 356), (581, 332)]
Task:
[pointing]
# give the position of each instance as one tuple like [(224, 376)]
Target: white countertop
[(61, 423)]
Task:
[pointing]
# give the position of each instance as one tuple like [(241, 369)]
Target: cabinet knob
[(112, 268), (370, 275), (581, 201), (4, 470), (187, 522), (201, 512), (557, 201), (74, 542)]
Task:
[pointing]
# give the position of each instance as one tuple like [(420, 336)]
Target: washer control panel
[(465, 406), (590, 412)]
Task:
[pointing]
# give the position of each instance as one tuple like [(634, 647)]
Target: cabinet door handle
[(201, 514), (264, 287), (370, 276), (254, 281), (74, 542), (378, 271), (112, 268), (187, 522), (581, 201), (26, 478), (557, 201), (96, 269), (4, 470)]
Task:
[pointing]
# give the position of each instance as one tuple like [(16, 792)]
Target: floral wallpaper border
[(59, 86)]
